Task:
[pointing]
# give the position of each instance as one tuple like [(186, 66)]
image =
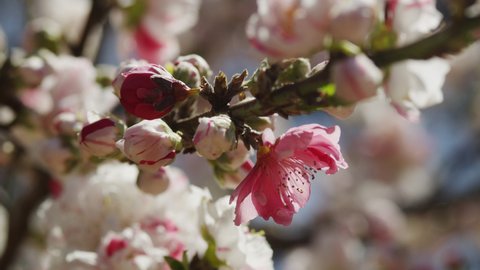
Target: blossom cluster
[(102, 220), (293, 28), (104, 139)]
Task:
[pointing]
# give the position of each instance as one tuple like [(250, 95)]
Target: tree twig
[(98, 13), (450, 39)]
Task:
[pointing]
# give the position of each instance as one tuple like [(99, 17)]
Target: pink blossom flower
[(282, 29), (353, 20), (279, 184), (130, 249), (149, 91), (154, 49), (70, 85)]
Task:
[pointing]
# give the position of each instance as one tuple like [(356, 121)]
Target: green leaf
[(185, 261), (175, 264), (210, 255)]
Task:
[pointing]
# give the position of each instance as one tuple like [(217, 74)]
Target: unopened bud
[(356, 78), (166, 178), (232, 178), (353, 20), (231, 167), (198, 61), (33, 70), (297, 70), (66, 123), (187, 73), (149, 91), (214, 136), (98, 138), (151, 144)]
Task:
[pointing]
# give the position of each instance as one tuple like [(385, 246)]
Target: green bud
[(187, 73), (297, 70)]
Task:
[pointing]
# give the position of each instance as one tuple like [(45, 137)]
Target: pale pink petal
[(245, 211), (268, 137), (293, 140)]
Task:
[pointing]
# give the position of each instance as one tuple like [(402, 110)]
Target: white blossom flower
[(132, 249), (71, 16), (283, 29), (174, 16), (415, 84), (71, 86), (353, 20), (235, 245), (102, 201), (184, 214), (413, 19)]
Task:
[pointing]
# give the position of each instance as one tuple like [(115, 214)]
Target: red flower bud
[(98, 138), (149, 91)]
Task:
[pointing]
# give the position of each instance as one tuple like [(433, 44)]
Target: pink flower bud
[(165, 179), (356, 78), (54, 156), (214, 136), (188, 73), (155, 47), (151, 144), (66, 123), (198, 61), (98, 138), (114, 245), (33, 70), (353, 20), (149, 91)]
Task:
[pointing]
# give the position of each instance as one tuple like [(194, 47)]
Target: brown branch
[(19, 217), (97, 15), (449, 39)]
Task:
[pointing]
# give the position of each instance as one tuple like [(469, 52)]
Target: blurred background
[(410, 199)]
